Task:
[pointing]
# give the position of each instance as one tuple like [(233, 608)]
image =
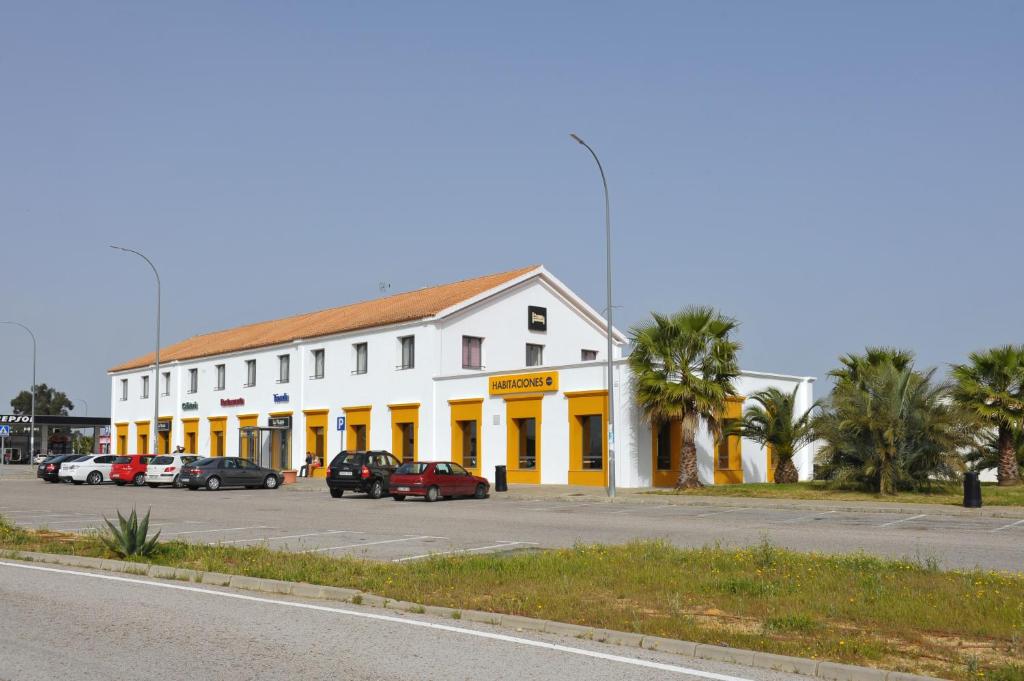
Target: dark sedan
[(368, 472), (228, 471), (49, 469)]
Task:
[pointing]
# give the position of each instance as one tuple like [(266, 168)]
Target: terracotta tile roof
[(401, 307)]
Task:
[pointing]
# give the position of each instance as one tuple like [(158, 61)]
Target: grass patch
[(852, 608), (992, 494)]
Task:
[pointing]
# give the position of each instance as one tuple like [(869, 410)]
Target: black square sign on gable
[(538, 318)]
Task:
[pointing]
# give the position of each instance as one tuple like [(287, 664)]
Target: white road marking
[(903, 520), (73, 520), (1006, 527), (501, 545), (562, 507), (730, 510), (806, 517), (289, 536), (371, 543), (648, 664), (224, 529)]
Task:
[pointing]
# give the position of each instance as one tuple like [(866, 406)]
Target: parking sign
[(341, 423)]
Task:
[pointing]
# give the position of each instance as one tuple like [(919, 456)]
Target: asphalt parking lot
[(305, 518)]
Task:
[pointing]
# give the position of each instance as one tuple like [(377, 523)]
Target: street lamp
[(608, 275), (32, 426), (156, 373)]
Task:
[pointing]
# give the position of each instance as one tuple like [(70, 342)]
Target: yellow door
[(122, 439), (218, 428), (316, 438), (405, 422), (522, 453), (588, 438), (772, 463), (666, 439), (357, 428), (728, 451), (191, 429), (248, 440), (142, 437), (466, 429)]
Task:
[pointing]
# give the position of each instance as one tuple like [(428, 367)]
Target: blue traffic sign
[(341, 423), (5, 431)]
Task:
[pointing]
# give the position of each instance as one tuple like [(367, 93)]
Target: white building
[(507, 369)]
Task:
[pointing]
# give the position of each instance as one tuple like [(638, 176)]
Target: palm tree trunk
[(1007, 473), (785, 471), (688, 478)]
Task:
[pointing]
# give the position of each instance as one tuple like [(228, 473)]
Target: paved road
[(298, 520), (120, 627)]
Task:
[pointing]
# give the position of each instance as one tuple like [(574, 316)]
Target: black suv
[(367, 472)]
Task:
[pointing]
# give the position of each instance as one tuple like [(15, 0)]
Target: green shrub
[(129, 537)]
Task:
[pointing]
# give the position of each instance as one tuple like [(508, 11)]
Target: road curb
[(831, 671)]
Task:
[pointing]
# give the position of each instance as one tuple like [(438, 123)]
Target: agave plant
[(129, 537)]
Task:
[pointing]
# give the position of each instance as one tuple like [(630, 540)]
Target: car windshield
[(160, 460), (411, 469), (53, 458), (350, 458), (208, 461), (123, 459)]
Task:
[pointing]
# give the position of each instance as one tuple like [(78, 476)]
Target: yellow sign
[(544, 381)]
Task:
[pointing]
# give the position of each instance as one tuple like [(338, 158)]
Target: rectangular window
[(534, 355), (593, 442), (124, 389), (664, 448), (193, 381), (527, 443), (588, 355), (167, 383), (250, 373), (468, 443), (284, 368), (318, 364), (361, 357), (221, 376), (472, 354), (145, 387), (408, 344), (725, 448)]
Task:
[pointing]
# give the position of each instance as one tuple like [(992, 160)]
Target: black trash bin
[(972, 490), (501, 478)]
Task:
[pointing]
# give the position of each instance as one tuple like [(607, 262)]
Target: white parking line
[(563, 507), (392, 619), (52, 515), (903, 520), (34, 510), (500, 545), (73, 520), (730, 510), (1006, 527), (806, 517), (371, 543), (224, 529), (289, 536)]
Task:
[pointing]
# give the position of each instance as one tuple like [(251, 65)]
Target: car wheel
[(176, 483), (480, 492), (139, 480), (337, 493), (94, 478), (153, 485), (376, 489), (213, 483), (398, 497), (433, 494), (270, 482)]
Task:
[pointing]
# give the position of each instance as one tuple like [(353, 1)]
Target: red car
[(130, 468), (435, 479)]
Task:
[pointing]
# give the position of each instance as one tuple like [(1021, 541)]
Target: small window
[(167, 383), (534, 355), (592, 442), (472, 352), (250, 373), (145, 387), (284, 368), (193, 380), (664, 448), (318, 364), (588, 355), (442, 469), (124, 389), (361, 357), (408, 346), (221, 374)]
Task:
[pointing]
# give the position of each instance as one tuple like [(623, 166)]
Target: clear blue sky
[(832, 174)]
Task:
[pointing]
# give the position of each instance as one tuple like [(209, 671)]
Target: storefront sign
[(163, 426), (189, 406), (544, 381), (538, 318), (233, 402), (14, 418), (280, 397), (279, 422)]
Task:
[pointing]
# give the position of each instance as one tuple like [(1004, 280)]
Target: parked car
[(435, 479), (91, 468), (130, 468), (166, 469), (367, 472), (228, 471), (49, 469)]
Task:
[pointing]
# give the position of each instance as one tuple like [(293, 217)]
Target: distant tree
[(684, 366), (855, 365), (772, 422), (49, 401), (992, 386)]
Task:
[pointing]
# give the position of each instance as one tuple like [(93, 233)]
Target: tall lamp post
[(156, 373), (608, 275), (32, 426)]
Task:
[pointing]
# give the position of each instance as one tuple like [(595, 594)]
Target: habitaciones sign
[(544, 381)]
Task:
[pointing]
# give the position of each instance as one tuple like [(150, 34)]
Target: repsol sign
[(544, 381), (14, 418)]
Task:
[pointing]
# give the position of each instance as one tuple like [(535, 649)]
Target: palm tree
[(772, 422), (854, 365), (987, 453), (683, 366), (992, 386)]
